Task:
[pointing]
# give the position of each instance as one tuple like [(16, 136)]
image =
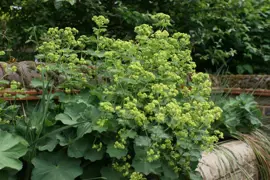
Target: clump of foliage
[(145, 120), (240, 115)]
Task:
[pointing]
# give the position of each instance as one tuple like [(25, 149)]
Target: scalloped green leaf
[(83, 148), (55, 166), (169, 174), (48, 144), (146, 167), (78, 148), (72, 114), (142, 141), (117, 153), (110, 174), (11, 149), (93, 154)]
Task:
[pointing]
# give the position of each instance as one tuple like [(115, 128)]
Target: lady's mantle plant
[(146, 120), (146, 123)]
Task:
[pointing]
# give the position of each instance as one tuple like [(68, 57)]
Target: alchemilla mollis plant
[(148, 117), (165, 126)]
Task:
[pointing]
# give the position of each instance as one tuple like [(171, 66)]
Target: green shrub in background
[(139, 123), (233, 33)]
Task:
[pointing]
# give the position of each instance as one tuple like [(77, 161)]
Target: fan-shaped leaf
[(11, 149), (55, 166)]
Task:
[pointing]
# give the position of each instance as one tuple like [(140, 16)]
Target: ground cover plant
[(241, 114), (138, 115)]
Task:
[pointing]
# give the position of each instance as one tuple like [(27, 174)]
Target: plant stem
[(28, 171)]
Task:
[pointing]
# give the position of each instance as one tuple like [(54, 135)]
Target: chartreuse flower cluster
[(171, 124), (65, 54)]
